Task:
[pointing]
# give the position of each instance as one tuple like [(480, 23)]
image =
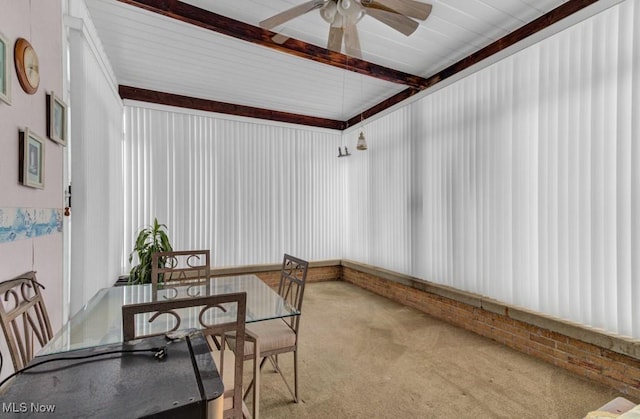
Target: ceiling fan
[(343, 15)]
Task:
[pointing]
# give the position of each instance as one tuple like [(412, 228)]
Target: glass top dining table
[(99, 322)]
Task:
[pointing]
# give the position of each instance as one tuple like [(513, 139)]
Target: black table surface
[(119, 384)]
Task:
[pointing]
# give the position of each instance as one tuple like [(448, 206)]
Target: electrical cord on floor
[(158, 352)]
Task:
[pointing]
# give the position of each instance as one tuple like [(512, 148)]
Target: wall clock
[(27, 66)]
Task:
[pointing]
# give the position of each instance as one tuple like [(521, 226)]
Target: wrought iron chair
[(191, 268), (217, 315), (24, 317), (180, 266), (270, 338)]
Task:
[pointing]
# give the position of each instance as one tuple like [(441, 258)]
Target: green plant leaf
[(150, 239)]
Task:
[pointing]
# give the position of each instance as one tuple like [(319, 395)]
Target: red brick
[(542, 340), (585, 363)]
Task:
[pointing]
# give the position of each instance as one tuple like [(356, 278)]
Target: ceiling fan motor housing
[(350, 9), (347, 9)]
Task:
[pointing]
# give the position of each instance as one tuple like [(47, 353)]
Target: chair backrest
[(24, 317), (180, 266), (218, 315), (293, 277)]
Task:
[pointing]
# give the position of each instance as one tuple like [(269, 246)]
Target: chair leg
[(256, 379), (274, 362), (279, 371), (255, 385), (245, 411), (295, 376), (256, 382), (250, 386)]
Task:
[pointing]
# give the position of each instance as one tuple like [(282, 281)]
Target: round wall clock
[(27, 66)]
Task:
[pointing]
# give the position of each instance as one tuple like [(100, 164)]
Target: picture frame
[(5, 70), (56, 119), (31, 165)]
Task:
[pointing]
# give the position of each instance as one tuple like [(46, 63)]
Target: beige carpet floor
[(364, 356)]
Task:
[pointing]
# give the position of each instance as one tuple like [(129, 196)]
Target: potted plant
[(150, 240)]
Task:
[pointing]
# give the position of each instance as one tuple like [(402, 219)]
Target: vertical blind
[(520, 182), (247, 191)]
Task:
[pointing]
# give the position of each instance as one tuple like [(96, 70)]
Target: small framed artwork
[(5, 70), (56, 119), (31, 159)]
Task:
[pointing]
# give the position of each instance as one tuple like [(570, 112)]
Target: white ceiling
[(151, 51)]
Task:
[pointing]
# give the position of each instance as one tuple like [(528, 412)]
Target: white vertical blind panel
[(358, 233), (550, 107), (378, 209), (633, 121), (525, 162), (628, 228), (246, 191), (520, 182)]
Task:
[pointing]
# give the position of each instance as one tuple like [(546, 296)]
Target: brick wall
[(617, 370), (270, 274), (314, 274)]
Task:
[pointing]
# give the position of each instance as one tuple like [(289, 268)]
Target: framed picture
[(5, 70), (31, 159), (56, 119)]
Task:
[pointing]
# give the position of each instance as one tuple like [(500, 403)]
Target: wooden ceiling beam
[(170, 99), (554, 16), (205, 19), (240, 30)]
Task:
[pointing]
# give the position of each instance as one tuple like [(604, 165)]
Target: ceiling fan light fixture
[(328, 11), (351, 10)]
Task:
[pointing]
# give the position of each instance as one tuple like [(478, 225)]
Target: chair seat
[(272, 334)]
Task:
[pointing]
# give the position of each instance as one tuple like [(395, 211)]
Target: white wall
[(96, 162)]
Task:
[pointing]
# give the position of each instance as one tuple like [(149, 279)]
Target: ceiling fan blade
[(411, 8), (287, 15), (352, 40), (279, 38), (335, 38), (398, 22)]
